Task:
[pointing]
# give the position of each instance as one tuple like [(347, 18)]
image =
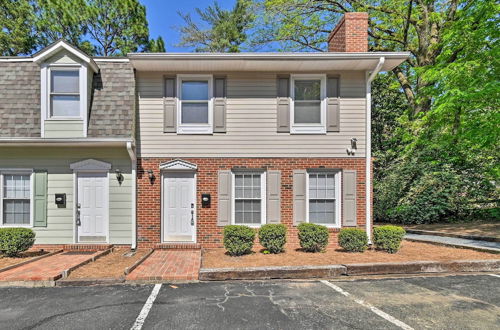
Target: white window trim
[(195, 128), (308, 128), (338, 198), (263, 198), (32, 186), (45, 94)]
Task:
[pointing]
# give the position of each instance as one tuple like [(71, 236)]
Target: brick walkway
[(164, 265), (46, 269)]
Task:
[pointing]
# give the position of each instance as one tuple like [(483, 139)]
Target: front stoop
[(177, 246)]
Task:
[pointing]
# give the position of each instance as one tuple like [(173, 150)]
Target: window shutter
[(40, 198), (273, 197), (283, 103), (220, 105), (332, 105), (349, 198), (169, 107), (299, 196), (224, 195)]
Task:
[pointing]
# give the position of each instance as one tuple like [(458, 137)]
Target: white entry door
[(92, 206), (179, 207)]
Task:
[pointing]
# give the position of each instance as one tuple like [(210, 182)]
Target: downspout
[(133, 159), (368, 148)]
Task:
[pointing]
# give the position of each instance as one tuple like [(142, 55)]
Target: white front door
[(179, 207), (92, 206)]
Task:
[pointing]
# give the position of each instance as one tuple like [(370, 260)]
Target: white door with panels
[(92, 208), (179, 206)]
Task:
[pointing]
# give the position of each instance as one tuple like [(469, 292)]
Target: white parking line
[(494, 275), (139, 321), (374, 309)]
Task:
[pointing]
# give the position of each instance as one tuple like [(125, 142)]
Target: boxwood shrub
[(353, 239), (388, 238), (238, 240), (15, 240), (312, 237), (273, 237)]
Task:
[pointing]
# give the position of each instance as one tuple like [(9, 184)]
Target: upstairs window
[(308, 104), (195, 104), (64, 93)]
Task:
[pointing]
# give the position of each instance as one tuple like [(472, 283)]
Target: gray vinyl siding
[(251, 121), (56, 161)]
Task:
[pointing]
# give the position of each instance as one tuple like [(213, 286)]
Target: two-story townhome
[(255, 138), (67, 153)]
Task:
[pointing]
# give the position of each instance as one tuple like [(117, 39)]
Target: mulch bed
[(111, 265), (9, 261), (410, 251)]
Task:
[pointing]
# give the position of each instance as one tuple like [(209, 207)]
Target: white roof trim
[(178, 165), (51, 50), (90, 165)]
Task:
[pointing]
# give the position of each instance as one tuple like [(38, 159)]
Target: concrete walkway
[(492, 246)]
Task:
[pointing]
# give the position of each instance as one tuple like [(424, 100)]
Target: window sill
[(307, 129), (63, 118), (253, 225), (194, 129), (16, 226)]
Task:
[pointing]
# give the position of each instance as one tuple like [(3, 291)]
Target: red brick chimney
[(350, 35)]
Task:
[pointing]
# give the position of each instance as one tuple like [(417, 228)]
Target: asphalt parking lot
[(450, 302)]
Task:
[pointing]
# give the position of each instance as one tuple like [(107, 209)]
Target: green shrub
[(312, 237), (388, 238), (15, 240), (273, 237), (353, 239), (238, 240)]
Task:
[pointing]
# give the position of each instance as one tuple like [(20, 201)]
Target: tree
[(395, 25), (156, 46), (117, 26), (17, 36), (226, 30)]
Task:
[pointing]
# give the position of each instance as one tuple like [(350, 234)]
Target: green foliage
[(273, 237), (17, 19), (238, 240), (226, 30), (388, 238), (15, 240), (312, 237), (353, 239), (156, 46)]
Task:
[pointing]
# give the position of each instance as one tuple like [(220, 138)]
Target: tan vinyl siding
[(56, 161), (63, 128), (251, 122)]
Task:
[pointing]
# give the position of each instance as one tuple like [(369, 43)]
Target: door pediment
[(178, 165), (90, 165)]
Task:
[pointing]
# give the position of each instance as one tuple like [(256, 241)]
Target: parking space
[(450, 302)]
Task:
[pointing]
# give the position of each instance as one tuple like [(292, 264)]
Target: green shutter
[(40, 198)]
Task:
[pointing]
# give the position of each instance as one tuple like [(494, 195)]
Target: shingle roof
[(112, 108)]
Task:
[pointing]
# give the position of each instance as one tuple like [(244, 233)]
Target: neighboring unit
[(67, 158)]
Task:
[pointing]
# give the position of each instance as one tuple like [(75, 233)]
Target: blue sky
[(163, 18)]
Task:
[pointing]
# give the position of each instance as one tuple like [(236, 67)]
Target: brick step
[(87, 247), (177, 246)]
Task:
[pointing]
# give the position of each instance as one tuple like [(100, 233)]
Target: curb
[(440, 233), (89, 282), (28, 284), (30, 261), (417, 267), (265, 273), (461, 246), (330, 271), (129, 270), (65, 273)]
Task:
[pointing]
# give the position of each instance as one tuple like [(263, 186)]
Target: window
[(195, 104), (15, 198), (323, 198), (308, 105), (64, 93), (249, 196)]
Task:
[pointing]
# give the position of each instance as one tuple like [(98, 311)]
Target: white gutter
[(368, 177), (133, 158)]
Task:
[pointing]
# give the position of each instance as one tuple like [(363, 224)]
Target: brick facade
[(209, 235), (350, 35)]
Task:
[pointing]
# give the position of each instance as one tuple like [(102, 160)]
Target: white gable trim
[(90, 165), (63, 45), (178, 165)]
